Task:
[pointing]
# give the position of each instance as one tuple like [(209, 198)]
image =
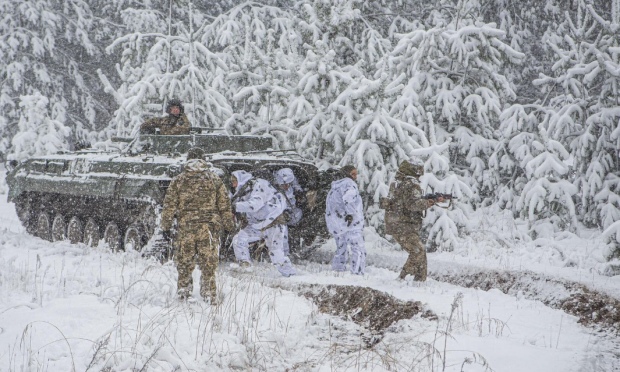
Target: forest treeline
[(511, 103)]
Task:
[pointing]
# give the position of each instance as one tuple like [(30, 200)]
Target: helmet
[(195, 153), (409, 168), (172, 103)]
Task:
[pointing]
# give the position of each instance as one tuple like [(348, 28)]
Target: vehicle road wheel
[(59, 228), (91, 233), (74, 230), (112, 236), (148, 221), (24, 213), (43, 228), (133, 238)]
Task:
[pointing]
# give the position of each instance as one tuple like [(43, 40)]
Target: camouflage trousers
[(197, 243), (416, 262)]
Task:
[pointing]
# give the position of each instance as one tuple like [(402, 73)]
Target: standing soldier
[(175, 123), (199, 201), (403, 217), (264, 208), (286, 180), (344, 216)]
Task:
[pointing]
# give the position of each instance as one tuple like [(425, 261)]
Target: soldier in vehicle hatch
[(175, 123), (404, 210), (200, 202)]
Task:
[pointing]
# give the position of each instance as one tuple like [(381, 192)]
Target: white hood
[(242, 178), (261, 205), (285, 175)]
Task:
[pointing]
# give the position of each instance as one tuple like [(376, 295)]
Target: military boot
[(183, 294), (403, 275), (211, 300)]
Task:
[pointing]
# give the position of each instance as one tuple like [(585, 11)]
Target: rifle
[(247, 188), (435, 198)]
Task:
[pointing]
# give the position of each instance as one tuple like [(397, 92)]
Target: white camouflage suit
[(286, 176), (344, 199), (261, 205)]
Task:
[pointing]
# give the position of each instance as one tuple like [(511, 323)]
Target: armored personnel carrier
[(115, 196)]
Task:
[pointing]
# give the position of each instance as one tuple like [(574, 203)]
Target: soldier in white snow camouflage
[(263, 207), (286, 180), (344, 216)]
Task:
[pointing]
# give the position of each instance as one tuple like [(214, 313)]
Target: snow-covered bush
[(40, 132)]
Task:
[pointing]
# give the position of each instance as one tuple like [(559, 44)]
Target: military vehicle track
[(120, 222)]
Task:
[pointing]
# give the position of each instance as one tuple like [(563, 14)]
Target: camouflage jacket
[(197, 196), (404, 206), (168, 125)]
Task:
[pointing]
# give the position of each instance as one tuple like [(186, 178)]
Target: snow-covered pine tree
[(259, 44), (163, 58), (454, 72), (50, 46), (321, 80), (518, 128), (375, 142), (583, 109), (454, 88), (526, 22), (535, 171), (336, 22), (39, 131), (342, 46)]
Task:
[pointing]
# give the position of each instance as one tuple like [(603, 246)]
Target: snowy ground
[(67, 307)]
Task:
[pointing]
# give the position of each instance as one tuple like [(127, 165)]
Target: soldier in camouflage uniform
[(199, 201), (403, 217), (175, 123)]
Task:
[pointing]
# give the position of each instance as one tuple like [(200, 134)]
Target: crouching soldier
[(264, 208), (344, 216), (285, 178), (199, 201), (404, 211)]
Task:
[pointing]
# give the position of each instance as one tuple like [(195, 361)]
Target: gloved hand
[(349, 219), (167, 235)]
